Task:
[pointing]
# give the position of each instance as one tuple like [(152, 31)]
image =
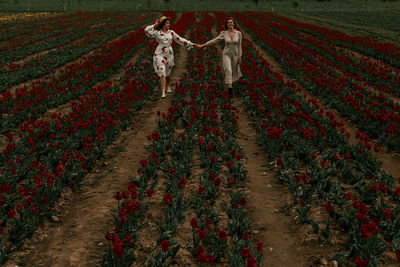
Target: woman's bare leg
[(163, 83), (167, 85)]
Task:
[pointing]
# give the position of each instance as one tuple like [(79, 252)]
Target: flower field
[(315, 118)]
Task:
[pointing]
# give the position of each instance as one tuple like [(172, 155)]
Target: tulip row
[(52, 154), (379, 75), (319, 166), (15, 73), (72, 81), (200, 120), (385, 51), (50, 33), (375, 115)]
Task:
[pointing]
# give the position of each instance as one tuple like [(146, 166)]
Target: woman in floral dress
[(163, 59)]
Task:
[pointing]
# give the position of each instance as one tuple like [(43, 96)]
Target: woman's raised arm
[(149, 30)]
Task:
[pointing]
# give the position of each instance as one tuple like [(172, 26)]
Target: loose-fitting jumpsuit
[(230, 55), (163, 59)]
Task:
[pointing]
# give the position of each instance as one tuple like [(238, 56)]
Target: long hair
[(161, 25), (226, 23)]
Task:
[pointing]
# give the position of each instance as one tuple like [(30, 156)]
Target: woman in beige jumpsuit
[(232, 53)]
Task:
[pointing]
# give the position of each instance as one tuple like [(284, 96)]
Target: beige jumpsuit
[(230, 55)]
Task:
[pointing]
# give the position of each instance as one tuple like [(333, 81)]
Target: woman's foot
[(163, 95), (169, 89), (230, 92)]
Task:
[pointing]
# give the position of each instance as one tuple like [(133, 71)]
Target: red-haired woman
[(232, 53), (163, 59)]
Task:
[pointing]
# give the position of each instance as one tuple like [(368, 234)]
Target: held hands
[(199, 45)]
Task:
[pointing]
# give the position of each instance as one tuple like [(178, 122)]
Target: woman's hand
[(199, 45), (156, 23)]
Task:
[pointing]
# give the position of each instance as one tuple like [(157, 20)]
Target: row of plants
[(35, 24), (377, 74), (200, 123), (319, 166), (374, 115), (49, 35), (388, 20), (71, 81), (43, 65), (385, 51), (55, 153)]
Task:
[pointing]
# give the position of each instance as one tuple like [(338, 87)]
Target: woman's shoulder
[(239, 32)]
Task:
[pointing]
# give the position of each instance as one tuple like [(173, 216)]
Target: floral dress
[(230, 55), (163, 59)]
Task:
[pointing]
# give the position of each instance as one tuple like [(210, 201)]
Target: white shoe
[(169, 89), (163, 96)]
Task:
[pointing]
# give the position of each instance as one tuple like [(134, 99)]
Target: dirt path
[(266, 199), (272, 227), (76, 238)]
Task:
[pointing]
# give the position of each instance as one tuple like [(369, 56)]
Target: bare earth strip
[(266, 199)]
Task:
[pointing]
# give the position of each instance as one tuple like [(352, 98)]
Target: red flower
[(373, 189), (11, 214), (118, 250), (347, 196), (242, 201), (222, 234), (259, 246), (208, 222), (128, 239), (172, 171), (149, 192), (251, 262), (279, 162), (232, 181), (118, 196), (314, 155), (194, 223), (301, 202), (397, 191), (167, 198), (182, 183), (328, 206), (246, 252), (361, 263), (201, 190), (377, 149), (324, 163), (229, 164), (202, 234), (144, 163), (346, 156), (165, 245), (398, 255), (245, 236), (387, 213), (217, 181)]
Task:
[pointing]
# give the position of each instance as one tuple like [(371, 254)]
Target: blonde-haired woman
[(163, 59), (232, 53)]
